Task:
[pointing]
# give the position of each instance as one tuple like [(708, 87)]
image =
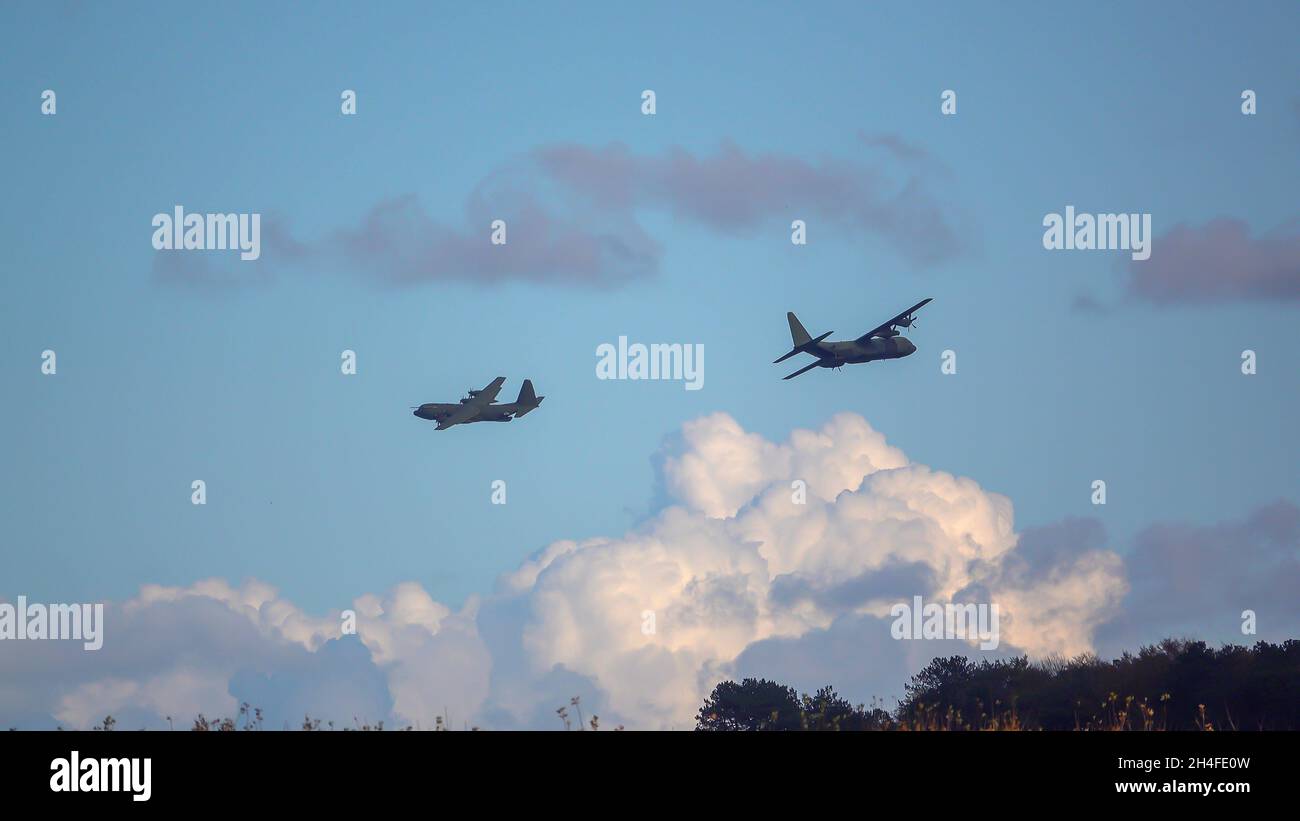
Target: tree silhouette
[(1173, 685), (753, 704)]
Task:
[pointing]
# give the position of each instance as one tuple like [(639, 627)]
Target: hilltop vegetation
[(1173, 685)]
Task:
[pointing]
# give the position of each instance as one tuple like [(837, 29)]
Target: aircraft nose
[(908, 347)]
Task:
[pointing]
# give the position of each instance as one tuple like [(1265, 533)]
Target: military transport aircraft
[(878, 343), (480, 406)]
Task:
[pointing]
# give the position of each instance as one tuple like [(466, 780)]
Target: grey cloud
[(571, 215), (857, 655), (914, 156), (338, 682), (735, 192), (1219, 262), (192, 653), (1196, 580), (1041, 550), (398, 243), (898, 581)]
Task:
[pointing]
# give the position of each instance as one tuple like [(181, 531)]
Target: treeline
[(1174, 685)]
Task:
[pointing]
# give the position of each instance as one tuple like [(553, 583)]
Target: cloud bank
[(1219, 262), (779, 559), (572, 215)]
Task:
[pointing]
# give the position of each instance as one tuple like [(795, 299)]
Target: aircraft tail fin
[(797, 332), (527, 395), (802, 342), (528, 399)]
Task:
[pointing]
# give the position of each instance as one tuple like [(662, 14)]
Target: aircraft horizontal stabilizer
[(808, 346), (804, 369)]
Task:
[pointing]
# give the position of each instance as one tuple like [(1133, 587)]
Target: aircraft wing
[(489, 394), (477, 402), (464, 413), (905, 319)]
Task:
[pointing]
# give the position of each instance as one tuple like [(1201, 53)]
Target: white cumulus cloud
[(739, 569)]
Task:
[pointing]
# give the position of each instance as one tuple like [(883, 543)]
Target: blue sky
[(326, 487)]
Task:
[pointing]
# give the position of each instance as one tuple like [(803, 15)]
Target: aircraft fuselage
[(438, 411), (851, 352)]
